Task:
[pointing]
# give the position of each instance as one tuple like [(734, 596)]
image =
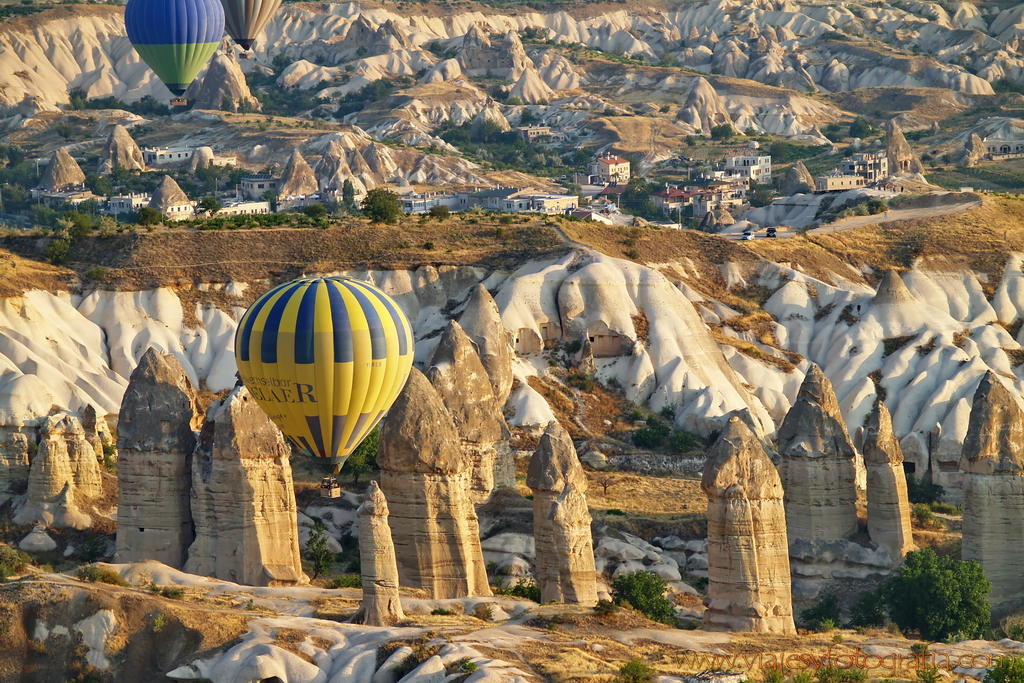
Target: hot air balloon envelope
[(325, 357), (244, 19), (175, 37)]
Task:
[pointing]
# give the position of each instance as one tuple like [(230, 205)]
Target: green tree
[(860, 128), (867, 611), (227, 104), (316, 549), (439, 211), (364, 457), (119, 173), (210, 205), (825, 611), (644, 592), (348, 195), (939, 597), (315, 211), (65, 130), (724, 131), (382, 206), (149, 216)]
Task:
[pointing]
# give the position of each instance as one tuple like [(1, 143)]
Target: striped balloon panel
[(176, 38), (325, 358), (244, 19)]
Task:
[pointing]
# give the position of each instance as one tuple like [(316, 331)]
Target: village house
[(837, 181), (754, 168), (129, 203), (256, 185), (515, 200), (609, 168), (873, 167), (671, 198)]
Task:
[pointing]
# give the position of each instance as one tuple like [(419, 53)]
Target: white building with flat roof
[(754, 167)]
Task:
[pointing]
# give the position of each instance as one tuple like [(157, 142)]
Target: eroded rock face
[(482, 323), (817, 464), (993, 466), (565, 567), (64, 469), (748, 550), (798, 180), (155, 441), (97, 431), (462, 382), (332, 170), (888, 505), (243, 498), (382, 605), (426, 478), (297, 179), (902, 160), (120, 150), (704, 108)]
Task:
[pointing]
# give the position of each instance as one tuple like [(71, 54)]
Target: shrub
[(12, 561), (505, 220), (97, 274), (57, 251), (724, 131), (319, 555), (827, 610), (832, 674), (442, 612), (429, 246), (615, 512), (94, 574), (635, 671), (345, 581), (925, 518), (364, 457), (651, 436), (439, 211), (484, 612), (682, 442), (1014, 629), (1006, 670), (929, 674), (867, 611), (605, 608), (938, 596), (946, 508), (467, 667), (526, 589), (172, 592), (921, 491), (645, 592)]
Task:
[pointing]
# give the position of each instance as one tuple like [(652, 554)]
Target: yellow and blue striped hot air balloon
[(325, 357)]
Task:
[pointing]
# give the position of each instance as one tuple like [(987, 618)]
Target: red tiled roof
[(615, 189), (613, 160)]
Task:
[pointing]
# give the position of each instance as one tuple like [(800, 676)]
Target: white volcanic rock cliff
[(382, 604), (888, 505), (120, 150)]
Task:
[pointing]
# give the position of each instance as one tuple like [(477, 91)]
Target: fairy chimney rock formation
[(817, 464), (888, 505), (120, 150), (298, 178), (332, 170), (62, 173), (564, 567), (382, 605), (749, 585), (459, 377), (64, 470), (974, 151), (426, 478), (993, 466), (155, 441), (482, 323), (224, 82), (902, 160), (97, 431), (168, 195), (798, 180), (704, 108), (243, 499)]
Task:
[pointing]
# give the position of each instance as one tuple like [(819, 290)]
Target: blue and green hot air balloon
[(175, 37)]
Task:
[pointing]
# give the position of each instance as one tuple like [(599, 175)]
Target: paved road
[(887, 217)]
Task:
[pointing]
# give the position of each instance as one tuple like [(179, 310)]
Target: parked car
[(770, 233), (747, 236)]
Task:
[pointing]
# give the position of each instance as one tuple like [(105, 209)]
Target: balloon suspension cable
[(337, 469)]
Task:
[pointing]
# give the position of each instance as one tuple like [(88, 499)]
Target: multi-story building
[(515, 200), (609, 168), (873, 167), (837, 181), (672, 198), (129, 203), (755, 168), (256, 185)]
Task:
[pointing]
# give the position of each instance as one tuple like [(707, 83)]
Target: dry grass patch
[(638, 494)]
